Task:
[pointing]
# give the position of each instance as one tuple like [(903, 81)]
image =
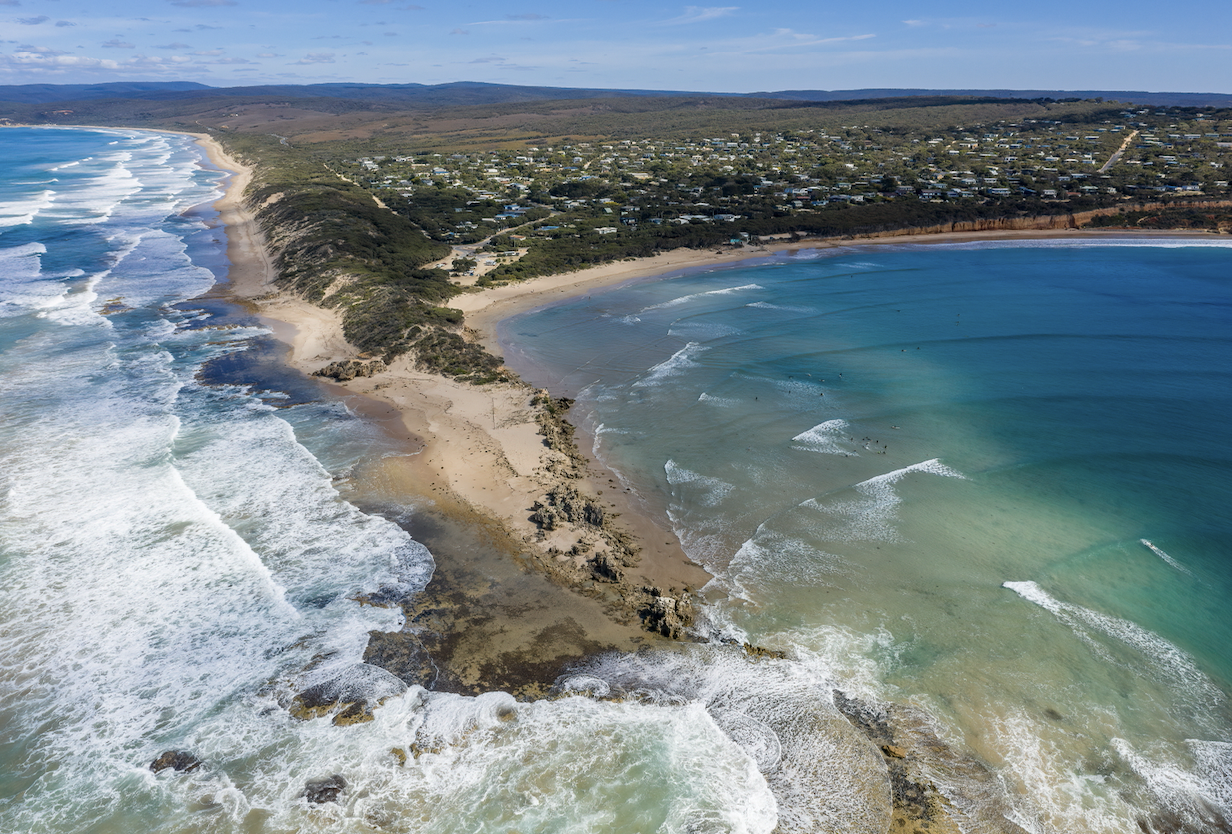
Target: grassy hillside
[(335, 246)]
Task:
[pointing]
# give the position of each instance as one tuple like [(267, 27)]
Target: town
[(573, 202)]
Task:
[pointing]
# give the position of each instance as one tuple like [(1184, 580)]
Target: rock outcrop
[(564, 503), (669, 616), (350, 695), (403, 655), (348, 369), (320, 791), (914, 756), (180, 761)]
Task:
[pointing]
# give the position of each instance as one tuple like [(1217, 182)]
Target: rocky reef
[(320, 791), (348, 369), (914, 756), (180, 761)]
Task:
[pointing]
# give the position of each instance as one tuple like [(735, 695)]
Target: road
[(1113, 159)]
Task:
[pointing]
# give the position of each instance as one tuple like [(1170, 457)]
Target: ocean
[(182, 551), (988, 484), (989, 481)]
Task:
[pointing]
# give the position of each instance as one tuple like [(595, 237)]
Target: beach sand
[(509, 605), (486, 309)]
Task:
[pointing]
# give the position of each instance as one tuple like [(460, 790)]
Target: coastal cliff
[(1064, 222)]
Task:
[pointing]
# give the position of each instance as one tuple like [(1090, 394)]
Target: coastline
[(510, 604), (475, 459), (486, 310)]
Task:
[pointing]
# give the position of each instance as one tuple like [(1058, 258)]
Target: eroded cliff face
[(1051, 222)]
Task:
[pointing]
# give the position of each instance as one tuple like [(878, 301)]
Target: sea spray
[(897, 431), (182, 574)]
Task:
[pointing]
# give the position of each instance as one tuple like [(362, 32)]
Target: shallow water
[(989, 480), (181, 551)]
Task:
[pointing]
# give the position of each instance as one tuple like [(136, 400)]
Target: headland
[(542, 556)]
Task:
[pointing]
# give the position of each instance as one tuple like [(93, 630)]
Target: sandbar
[(474, 459)]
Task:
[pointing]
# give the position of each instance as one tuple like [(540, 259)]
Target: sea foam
[(1168, 662), (826, 438)]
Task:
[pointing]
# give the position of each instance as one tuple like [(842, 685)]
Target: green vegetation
[(360, 199), (839, 169), (489, 193), (450, 354), (1218, 219), (337, 247)]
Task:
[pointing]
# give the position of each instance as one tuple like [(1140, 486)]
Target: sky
[(1181, 46)]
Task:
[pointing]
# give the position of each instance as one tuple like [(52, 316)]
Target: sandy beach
[(518, 603), (485, 310), (475, 456)]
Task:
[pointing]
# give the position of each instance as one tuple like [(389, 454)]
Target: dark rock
[(349, 369), (605, 567), (402, 654), (180, 761), (667, 615), (355, 713), (564, 502), (593, 514), (545, 517), (893, 752), (758, 651), (319, 791), (351, 695)]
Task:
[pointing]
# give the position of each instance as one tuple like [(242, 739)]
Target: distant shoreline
[(476, 453), (487, 309)]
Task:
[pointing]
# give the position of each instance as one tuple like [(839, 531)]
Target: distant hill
[(1129, 96), (49, 93), (462, 93), (454, 94)]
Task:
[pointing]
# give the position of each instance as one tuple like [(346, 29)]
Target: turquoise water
[(991, 481), (181, 551), (181, 548)]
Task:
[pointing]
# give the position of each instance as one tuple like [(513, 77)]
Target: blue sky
[(764, 45)]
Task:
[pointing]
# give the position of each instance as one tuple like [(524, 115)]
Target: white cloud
[(35, 59), (696, 14), (783, 40), (317, 58)]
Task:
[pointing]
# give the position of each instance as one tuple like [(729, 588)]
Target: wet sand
[(509, 606), (510, 603)]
